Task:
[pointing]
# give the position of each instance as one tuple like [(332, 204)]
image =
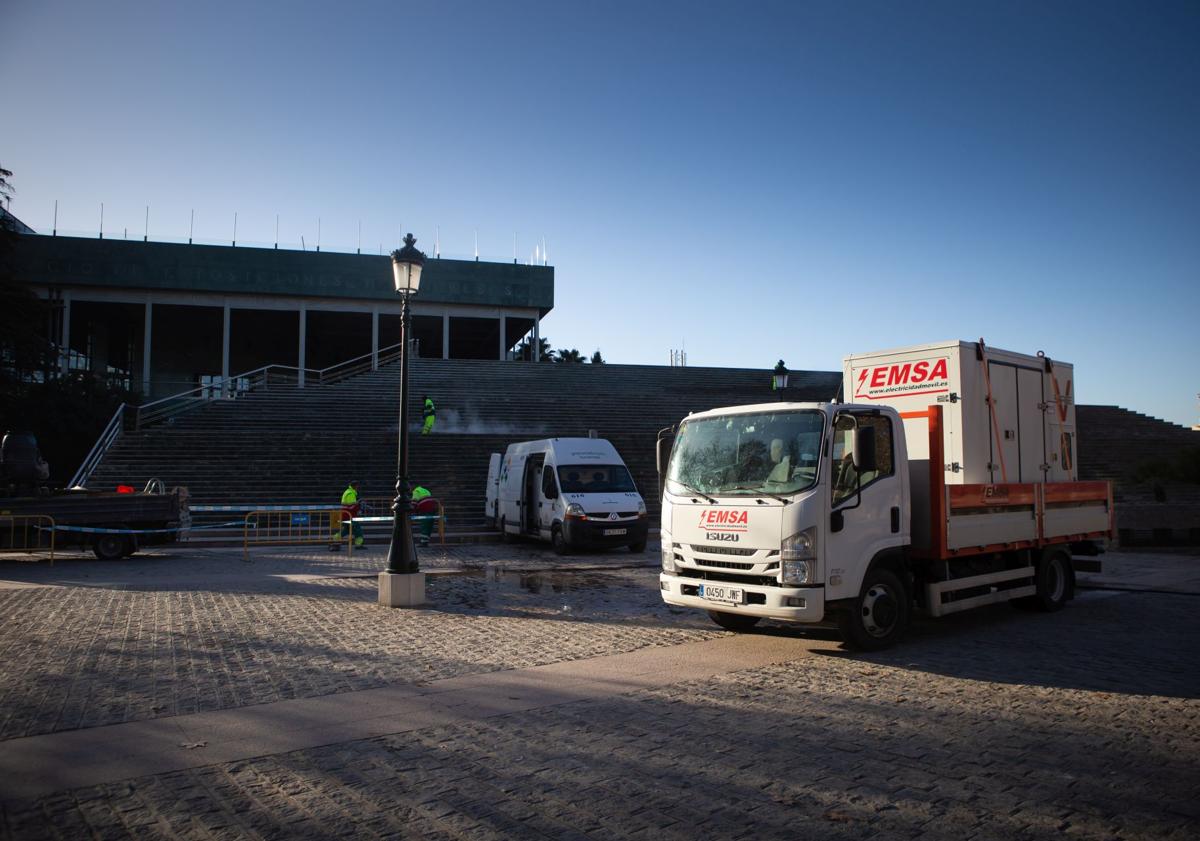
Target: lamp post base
[(401, 589)]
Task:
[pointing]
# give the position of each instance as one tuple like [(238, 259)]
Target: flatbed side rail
[(982, 518), (29, 534)]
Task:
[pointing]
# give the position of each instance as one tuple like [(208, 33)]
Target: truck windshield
[(769, 453), (595, 479)]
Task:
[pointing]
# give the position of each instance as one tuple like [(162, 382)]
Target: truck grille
[(712, 575), (604, 515), (723, 564), (722, 550)]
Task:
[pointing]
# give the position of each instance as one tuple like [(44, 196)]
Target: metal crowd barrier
[(382, 507), (294, 527), (27, 534)]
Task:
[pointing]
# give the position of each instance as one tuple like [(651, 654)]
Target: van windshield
[(772, 452), (595, 479)]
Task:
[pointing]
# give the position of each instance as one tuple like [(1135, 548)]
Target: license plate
[(613, 532), (724, 595)]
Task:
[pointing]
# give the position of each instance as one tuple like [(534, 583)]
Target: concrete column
[(64, 349), (503, 331), (225, 391), (147, 343), (446, 336), (537, 339), (300, 355), (375, 338)]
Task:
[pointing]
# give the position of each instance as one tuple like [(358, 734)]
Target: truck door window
[(549, 486), (844, 474)]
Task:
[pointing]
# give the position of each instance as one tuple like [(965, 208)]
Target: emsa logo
[(903, 379), (723, 519)]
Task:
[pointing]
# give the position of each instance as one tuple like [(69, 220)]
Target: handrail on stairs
[(223, 389), (110, 434)]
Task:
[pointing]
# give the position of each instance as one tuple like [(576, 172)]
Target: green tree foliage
[(524, 351), (66, 414), (568, 356), (597, 359)]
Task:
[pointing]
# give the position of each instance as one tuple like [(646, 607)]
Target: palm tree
[(597, 359), (568, 356), (525, 351)]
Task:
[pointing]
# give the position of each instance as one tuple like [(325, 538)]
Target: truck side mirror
[(863, 452), (662, 452)]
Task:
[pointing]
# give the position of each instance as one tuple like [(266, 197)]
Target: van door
[(531, 492), (548, 501)]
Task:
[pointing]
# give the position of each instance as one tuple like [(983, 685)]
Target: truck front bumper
[(787, 604)]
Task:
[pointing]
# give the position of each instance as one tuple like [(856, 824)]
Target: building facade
[(162, 318)]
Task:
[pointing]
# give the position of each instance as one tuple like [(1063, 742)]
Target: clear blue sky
[(756, 180)]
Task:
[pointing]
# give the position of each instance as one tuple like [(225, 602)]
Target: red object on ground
[(126, 489)]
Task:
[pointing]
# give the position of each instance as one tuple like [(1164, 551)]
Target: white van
[(573, 492)]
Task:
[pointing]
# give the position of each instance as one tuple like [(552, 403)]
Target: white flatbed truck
[(946, 484)]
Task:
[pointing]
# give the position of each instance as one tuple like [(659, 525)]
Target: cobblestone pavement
[(86, 656), (1081, 724), (993, 724)]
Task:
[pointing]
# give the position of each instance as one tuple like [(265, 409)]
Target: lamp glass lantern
[(406, 267)]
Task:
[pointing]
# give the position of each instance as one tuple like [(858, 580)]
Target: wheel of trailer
[(638, 548), (1054, 581), (737, 622), (110, 547), (879, 616), (559, 541)]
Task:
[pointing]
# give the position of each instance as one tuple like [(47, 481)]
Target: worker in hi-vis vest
[(350, 510), (425, 507), (429, 414)]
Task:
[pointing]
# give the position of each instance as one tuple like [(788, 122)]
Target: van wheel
[(1055, 584), (559, 541), (877, 618), (638, 548), (505, 537), (733, 621), (111, 547)]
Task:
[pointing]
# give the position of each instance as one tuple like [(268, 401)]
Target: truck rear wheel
[(112, 547), (879, 616), (1055, 584), (733, 621)]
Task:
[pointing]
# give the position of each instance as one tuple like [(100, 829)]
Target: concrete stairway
[(303, 445)]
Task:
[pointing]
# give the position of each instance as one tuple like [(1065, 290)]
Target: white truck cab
[(748, 499), (572, 492)]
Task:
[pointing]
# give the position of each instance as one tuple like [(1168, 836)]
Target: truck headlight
[(798, 558), (641, 508), (668, 555), (575, 511)]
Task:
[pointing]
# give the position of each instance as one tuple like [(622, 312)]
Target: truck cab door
[(865, 506)]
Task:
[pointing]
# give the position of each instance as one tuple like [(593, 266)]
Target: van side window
[(844, 475), (549, 485)]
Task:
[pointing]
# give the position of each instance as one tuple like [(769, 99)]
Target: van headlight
[(798, 558), (575, 512), (668, 555), (641, 508)]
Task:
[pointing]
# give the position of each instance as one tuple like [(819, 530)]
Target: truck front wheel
[(879, 616), (733, 621)]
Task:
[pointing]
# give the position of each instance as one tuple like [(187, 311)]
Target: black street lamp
[(779, 379), (402, 554)]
